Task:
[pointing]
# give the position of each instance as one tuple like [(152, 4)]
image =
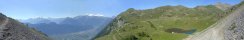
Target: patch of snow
[(90, 14)]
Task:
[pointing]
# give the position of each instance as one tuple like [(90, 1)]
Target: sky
[(25, 9)]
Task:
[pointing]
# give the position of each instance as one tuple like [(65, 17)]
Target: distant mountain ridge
[(86, 26), (223, 6)]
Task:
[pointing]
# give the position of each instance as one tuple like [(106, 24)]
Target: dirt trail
[(216, 31)]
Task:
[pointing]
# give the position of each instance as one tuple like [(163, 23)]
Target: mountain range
[(73, 28)]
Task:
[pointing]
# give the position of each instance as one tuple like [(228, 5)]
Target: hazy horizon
[(25, 9)]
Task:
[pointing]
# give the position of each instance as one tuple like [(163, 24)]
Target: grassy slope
[(150, 24)]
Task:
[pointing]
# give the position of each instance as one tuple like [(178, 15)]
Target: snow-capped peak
[(94, 15)]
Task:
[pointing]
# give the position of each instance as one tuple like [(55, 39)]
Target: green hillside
[(161, 23)]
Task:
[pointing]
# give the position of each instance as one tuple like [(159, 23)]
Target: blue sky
[(24, 9)]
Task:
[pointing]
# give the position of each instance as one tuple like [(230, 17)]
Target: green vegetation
[(151, 24), (233, 26)]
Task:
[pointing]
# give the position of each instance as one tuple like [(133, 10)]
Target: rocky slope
[(236, 30), (11, 29)]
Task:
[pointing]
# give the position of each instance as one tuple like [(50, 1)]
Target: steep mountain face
[(11, 29), (75, 28), (162, 23)]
